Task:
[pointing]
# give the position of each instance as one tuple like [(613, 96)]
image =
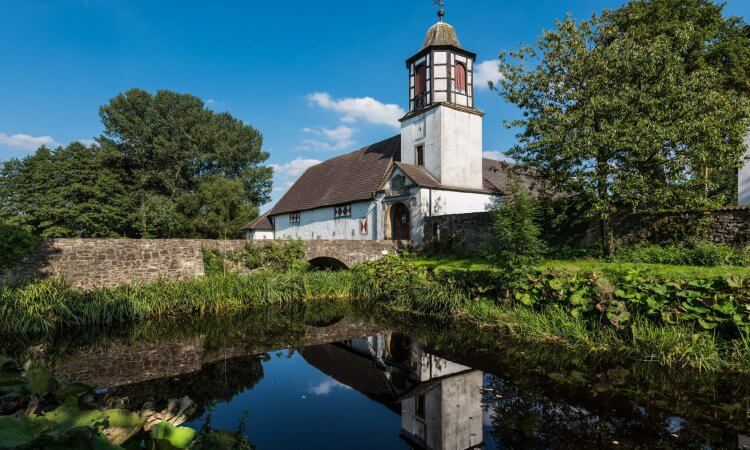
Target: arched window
[(460, 77), (420, 80)]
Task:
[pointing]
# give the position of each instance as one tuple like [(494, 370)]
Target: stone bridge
[(88, 263), (350, 252)]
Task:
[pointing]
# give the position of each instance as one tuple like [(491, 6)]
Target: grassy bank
[(46, 305), (698, 323)]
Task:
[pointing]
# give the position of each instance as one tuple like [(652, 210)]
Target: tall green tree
[(165, 166), (634, 109), (66, 192), (170, 144)]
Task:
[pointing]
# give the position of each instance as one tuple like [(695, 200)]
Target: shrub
[(15, 243), (213, 262), (275, 255), (516, 240), (696, 253)]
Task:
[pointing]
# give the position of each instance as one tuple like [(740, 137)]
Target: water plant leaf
[(72, 390), (179, 437), (15, 432), (40, 381)]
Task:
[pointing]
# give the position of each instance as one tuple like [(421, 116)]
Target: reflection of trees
[(214, 382), (522, 415)]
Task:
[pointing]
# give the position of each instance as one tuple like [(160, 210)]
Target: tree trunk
[(607, 234), (605, 221)]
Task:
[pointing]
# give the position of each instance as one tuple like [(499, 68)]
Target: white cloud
[(335, 139), (496, 155), (486, 71), (284, 175), (26, 142), (326, 386), (87, 142), (363, 108)]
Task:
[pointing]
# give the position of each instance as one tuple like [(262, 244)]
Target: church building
[(433, 167), (385, 190)]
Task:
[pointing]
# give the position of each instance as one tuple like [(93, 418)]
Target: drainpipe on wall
[(430, 214), (743, 184)]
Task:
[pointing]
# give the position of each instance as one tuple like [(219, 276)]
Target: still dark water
[(329, 379)]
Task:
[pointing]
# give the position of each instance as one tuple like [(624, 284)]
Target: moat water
[(331, 379)]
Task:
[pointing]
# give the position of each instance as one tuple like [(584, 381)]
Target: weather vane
[(441, 11)]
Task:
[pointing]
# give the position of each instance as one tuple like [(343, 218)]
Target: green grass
[(46, 305), (613, 269), (677, 346)]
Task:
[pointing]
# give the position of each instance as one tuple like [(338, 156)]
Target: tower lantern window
[(460, 77)]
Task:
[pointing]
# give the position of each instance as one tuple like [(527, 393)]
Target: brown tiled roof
[(419, 175), (356, 176), (261, 223), (344, 179), (497, 176)]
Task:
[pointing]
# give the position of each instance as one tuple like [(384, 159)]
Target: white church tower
[(442, 130)]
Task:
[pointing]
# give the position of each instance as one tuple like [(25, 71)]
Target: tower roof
[(441, 34)]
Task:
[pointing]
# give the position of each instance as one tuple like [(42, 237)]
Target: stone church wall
[(459, 233), (468, 233)]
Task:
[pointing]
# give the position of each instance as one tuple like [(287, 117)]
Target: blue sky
[(317, 78)]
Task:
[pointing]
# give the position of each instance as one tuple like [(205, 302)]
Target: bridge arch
[(327, 263)]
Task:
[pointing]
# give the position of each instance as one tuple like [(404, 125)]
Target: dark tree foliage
[(165, 166)]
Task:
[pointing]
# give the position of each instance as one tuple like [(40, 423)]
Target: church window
[(342, 211), (460, 77), (419, 407), (419, 155), (420, 80), (294, 217)]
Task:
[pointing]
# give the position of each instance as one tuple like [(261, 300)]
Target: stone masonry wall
[(459, 233), (729, 226), (89, 263), (466, 233)]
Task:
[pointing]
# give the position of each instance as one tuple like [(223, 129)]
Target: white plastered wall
[(259, 235), (744, 177), (421, 200), (452, 142), (320, 224)]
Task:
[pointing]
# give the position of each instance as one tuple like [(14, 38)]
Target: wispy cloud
[(284, 175), (26, 142), (326, 386), (486, 71), (327, 139), (366, 109), (497, 155)]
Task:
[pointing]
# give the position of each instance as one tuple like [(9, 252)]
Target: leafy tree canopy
[(644, 107), (165, 166)]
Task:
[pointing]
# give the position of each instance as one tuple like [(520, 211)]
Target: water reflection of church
[(439, 401)]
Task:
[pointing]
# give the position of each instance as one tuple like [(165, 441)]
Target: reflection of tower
[(444, 410), (439, 400)]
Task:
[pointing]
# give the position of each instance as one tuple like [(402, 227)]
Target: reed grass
[(46, 305)]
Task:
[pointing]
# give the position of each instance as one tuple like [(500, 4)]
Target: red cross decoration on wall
[(363, 226), (342, 211)]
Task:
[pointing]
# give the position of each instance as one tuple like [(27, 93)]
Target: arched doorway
[(400, 222)]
